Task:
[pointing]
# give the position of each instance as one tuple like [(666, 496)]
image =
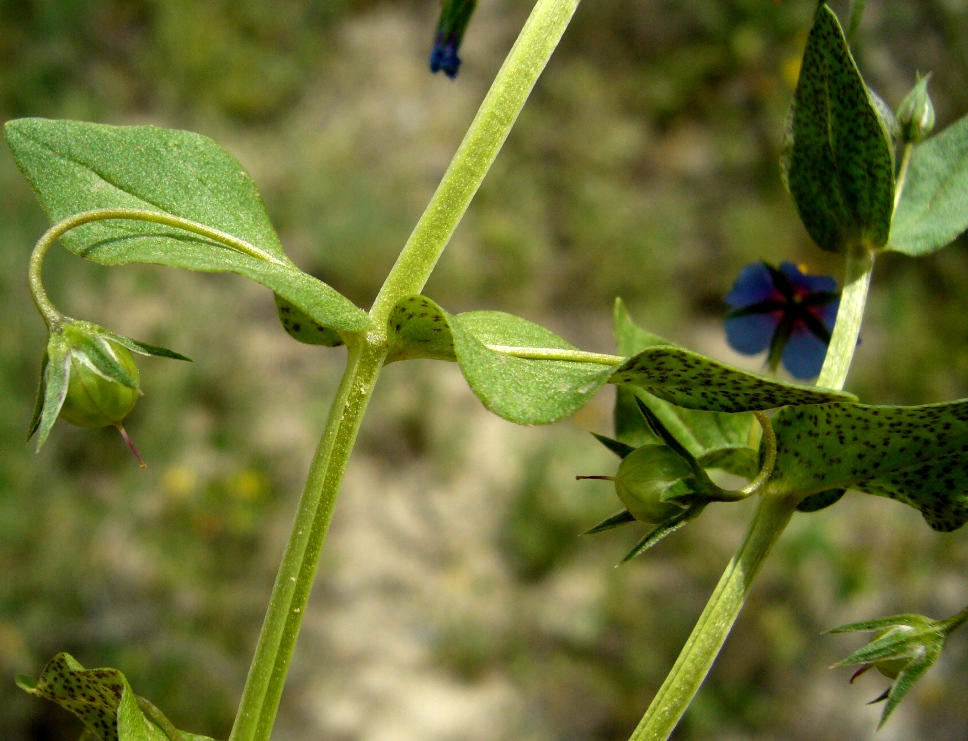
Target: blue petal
[(804, 353), (753, 285), (751, 334), (807, 281), (827, 313), (443, 58)]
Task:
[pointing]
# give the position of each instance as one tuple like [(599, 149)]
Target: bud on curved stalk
[(904, 647), (916, 113), (89, 378)]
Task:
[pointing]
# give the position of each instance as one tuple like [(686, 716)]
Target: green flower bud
[(648, 477), (94, 399), (916, 113)]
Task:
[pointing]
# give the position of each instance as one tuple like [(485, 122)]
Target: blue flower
[(443, 57), (789, 312)]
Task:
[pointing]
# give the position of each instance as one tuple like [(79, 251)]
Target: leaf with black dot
[(104, 702), (693, 381), (302, 327), (839, 162), (916, 455)]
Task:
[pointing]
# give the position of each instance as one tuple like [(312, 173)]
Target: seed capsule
[(648, 476), (93, 399)]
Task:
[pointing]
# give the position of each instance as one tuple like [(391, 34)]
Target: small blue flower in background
[(454, 17), (789, 312)]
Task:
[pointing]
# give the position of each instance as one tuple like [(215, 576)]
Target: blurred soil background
[(454, 599)]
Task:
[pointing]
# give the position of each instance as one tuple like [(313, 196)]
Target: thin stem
[(290, 593), (553, 353), (902, 174), (710, 632), (159, 719), (850, 314), (51, 315), (952, 624), (772, 517), (769, 457), (528, 57), (477, 152)]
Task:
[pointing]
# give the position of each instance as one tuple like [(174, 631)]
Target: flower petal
[(804, 353), (753, 285), (751, 334), (807, 281)]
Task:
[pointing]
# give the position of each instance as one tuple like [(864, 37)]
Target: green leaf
[(302, 327), (103, 700), (524, 391), (821, 500), (933, 210), (76, 167), (715, 439), (693, 381), (840, 169), (916, 455), (521, 390)]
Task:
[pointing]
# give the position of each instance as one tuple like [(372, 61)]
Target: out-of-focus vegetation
[(454, 598)]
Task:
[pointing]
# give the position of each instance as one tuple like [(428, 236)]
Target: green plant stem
[(51, 315), (850, 314), (771, 518), (952, 624), (290, 594), (902, 174), (477, 151), (710, 632)]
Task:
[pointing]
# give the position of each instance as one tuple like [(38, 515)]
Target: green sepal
[(660, 531), (619, 448), (41, 397), (933, 210), (916, 455), (76, 167), (693, 381), (617, 520), (840, 167), (911, 642), (55, 381), (302, 327), (908, 619), (103, 700), (821, 500), (90, 347), (143, 348)]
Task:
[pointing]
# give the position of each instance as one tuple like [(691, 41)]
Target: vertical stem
[(703, 645), (843, 341), (290, 594), (477, 151)]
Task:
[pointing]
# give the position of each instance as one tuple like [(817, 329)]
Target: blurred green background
[(454, 598)]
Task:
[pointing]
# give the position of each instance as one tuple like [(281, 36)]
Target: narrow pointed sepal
[(93, 350), (909, 619), (619, 448), (660, 531), (617, 520), (39, 403), (143, 348), (56, 378), (905, 680), (662, 432)]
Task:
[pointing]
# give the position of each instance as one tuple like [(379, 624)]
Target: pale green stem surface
[(955, 621), (771, 518), (290, 595), (477, 151), (51, 315)]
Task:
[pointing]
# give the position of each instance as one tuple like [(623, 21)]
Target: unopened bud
[(916, 113)]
